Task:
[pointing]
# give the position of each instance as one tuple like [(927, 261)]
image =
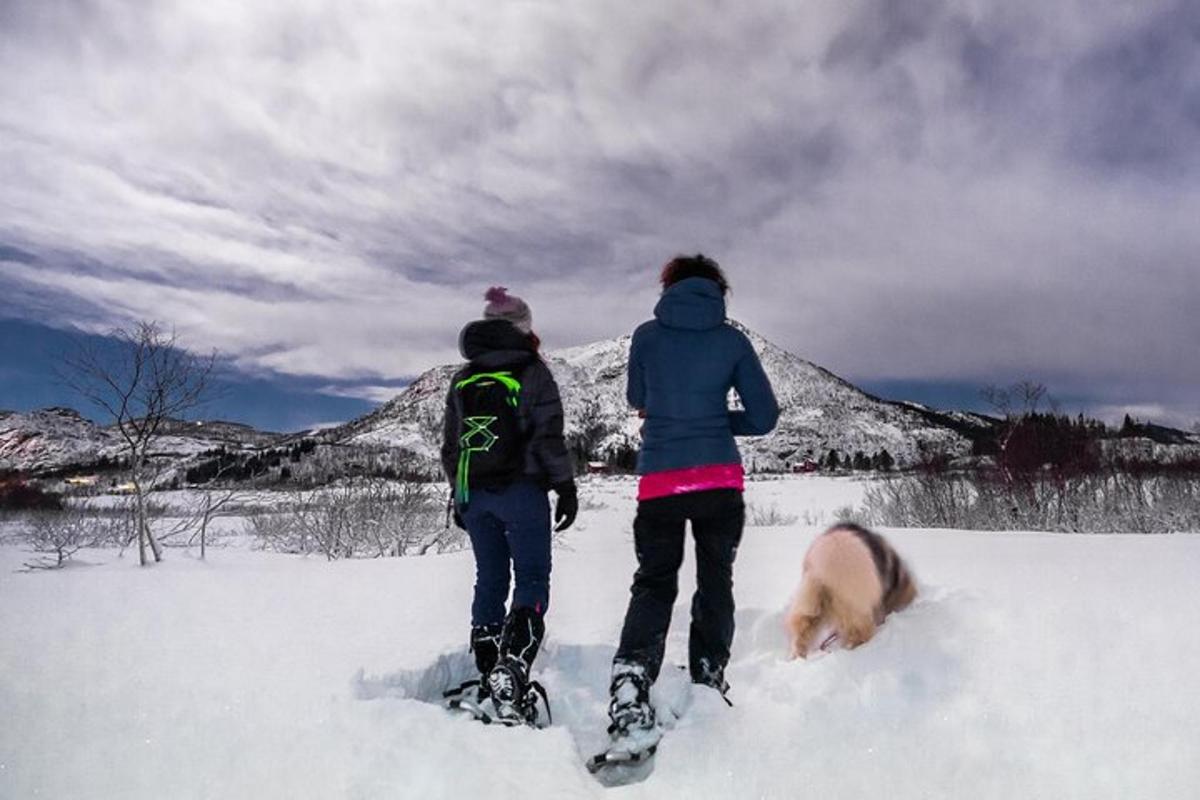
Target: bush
[(17, 495), (1113, 501), (58, 534), (363, 518), (768, 516)]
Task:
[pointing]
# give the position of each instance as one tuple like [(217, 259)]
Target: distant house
[(805, 465), (598, 468), (81, 480)]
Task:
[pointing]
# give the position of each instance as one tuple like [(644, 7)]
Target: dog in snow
[(852, 580)]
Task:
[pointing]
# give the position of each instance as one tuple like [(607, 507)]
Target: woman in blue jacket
[(682, 365)]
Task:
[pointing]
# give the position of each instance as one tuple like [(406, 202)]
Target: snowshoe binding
[(504, 693), (470, 696), (516, 699)]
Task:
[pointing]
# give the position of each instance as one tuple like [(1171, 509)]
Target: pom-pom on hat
[(502, 305)]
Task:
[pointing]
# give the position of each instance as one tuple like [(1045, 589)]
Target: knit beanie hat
[(502, 305)]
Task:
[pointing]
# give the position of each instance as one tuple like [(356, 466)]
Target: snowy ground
[(1033, 666)]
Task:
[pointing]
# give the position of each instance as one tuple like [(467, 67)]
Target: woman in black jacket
[(502, 450)]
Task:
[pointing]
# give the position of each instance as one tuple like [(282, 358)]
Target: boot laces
[(502, 684)]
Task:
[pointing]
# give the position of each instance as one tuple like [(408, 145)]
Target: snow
[(1032, 666)]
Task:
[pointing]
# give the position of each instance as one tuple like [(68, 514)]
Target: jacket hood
[(694, 304), (494, 343)]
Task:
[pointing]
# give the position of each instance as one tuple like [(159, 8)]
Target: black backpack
[(491, 449)]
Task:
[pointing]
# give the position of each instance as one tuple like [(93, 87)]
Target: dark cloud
[(880, 31), (1138, 95), (909, 191), (16, 255)]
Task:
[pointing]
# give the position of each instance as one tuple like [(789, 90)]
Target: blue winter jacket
[(681, 367)]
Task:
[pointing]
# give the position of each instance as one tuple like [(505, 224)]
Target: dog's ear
[(903, 592)]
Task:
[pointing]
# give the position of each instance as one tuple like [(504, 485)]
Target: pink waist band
[(691, 479)]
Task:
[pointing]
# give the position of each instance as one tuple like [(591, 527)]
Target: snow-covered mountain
[(51, 438), (820, 412), (57, 438)]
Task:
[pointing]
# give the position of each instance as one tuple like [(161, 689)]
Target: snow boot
[(508, 685), (514, 696), (522, 636), (469, 695), (629, 709), (706, 673), (485, 644)]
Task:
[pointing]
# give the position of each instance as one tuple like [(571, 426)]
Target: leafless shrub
[(768, 516), (846, 514), (1108, 502), (364, 518), (56, 535)]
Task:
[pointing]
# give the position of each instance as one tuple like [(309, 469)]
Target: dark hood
[(693, 304), (494, 343)]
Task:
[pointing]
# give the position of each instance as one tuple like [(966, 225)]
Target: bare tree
[(196, 512), (1014, 403), (1020, 399), (146, 381)]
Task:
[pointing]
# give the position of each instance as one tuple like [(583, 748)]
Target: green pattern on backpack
[(478, 435)]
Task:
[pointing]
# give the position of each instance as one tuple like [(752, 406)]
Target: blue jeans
[(510, 534)]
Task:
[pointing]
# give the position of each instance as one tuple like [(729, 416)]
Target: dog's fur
[(852, 580)]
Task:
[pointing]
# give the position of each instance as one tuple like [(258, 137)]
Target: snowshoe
[(504, 655), (619, 765), (634, 733), (470, 697)]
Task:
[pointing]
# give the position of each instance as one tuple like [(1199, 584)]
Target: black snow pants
[(717, 518)]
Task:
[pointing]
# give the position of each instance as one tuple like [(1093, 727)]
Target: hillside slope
[(820, 412)]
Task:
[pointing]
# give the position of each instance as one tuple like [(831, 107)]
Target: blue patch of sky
[(942, 395), (949, 395), (30, 355)]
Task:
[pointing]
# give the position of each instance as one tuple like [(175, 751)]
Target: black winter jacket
[(496, 344)]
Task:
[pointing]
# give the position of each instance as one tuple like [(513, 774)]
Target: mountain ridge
[(820, 411)]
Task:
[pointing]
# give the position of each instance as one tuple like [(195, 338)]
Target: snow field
[(1032, 665)]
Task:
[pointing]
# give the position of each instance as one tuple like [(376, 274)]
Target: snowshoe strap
[(459, 690), (537, 687)]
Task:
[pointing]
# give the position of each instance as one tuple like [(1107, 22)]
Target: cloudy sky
[(922, 196)]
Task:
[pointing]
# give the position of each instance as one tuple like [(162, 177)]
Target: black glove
[(567, 506), (453, 512)]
